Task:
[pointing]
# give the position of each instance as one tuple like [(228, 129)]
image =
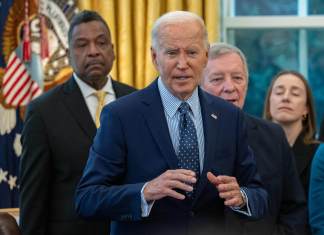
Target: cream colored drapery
[(131, 22)]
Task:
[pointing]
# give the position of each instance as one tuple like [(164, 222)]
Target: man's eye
[(80, 44), (192, 52), (171, 53), (102, 43), (216, 79), (238, 79)]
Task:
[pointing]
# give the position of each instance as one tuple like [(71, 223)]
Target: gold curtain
[(131, 22)]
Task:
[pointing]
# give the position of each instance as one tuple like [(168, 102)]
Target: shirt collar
[(87, 90), (171, 103)]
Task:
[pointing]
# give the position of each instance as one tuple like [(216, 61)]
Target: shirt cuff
[(146, 207), (243, 209)]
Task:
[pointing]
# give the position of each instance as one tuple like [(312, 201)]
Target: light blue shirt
[(170, 106)]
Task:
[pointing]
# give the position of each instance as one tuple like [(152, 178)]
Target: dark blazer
[(56, 138), (276, 165), (133, 146), (304, 154)]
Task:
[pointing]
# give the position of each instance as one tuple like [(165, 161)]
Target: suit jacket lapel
[(76, 104), (153, 113), (211, 120), (116, 87)]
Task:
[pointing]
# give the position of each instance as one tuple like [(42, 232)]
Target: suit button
[(192, 214)]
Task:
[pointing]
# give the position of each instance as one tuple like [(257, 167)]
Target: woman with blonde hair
[(289, 102)]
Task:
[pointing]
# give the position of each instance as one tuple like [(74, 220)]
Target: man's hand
[(228, 189), (166, 184)]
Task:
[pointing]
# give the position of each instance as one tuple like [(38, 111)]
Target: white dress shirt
[(89, 96)]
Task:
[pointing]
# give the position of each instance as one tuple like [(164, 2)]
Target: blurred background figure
[(316, 193), (227, 76), (289, 102)]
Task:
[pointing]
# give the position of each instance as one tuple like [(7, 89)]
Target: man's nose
[(93, 50), (182, 61), (228, 85)]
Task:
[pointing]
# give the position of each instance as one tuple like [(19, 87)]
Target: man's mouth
[(94, 64), (231, 100), (182, 77)]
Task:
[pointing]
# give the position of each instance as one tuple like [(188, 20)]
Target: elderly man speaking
[(171, 158)]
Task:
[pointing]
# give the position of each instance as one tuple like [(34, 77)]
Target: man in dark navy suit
[(169, 159), (226, 76)]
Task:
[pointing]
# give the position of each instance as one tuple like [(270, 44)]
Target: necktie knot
[(100, 96), (184, 108)]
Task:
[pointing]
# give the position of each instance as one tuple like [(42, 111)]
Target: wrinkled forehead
[(183, 32)]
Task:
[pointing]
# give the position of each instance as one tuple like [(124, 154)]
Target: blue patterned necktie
[(188, 156)]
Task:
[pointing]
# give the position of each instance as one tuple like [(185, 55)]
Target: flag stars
[(12, 182), (17, 145), (3, 176)]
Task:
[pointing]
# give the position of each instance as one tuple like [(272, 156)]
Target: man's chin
[(96, 76)]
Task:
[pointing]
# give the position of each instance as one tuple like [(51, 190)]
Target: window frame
[(301, 21)]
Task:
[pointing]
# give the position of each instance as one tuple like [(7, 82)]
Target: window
[(277, 35)]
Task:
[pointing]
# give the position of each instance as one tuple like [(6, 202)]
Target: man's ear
[(113, 51), (154, 56), (206, 58)]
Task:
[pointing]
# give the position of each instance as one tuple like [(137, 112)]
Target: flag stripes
[(18, 86)]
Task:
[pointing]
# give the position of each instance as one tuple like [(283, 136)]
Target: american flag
[(17, 85)]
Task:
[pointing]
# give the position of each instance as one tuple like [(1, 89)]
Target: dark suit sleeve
[(34, 175), (293, 210), (101, 192), (316, 193), (246, 173)]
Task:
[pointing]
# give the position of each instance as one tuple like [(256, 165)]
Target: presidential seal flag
[(33, 59)]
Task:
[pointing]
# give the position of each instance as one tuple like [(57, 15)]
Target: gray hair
[(219, 48), (177, 17)]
